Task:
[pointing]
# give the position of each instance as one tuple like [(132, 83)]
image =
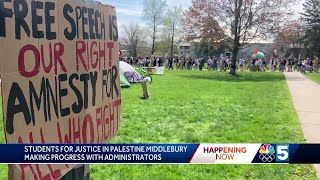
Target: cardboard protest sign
[(160, 70), (60, 75)]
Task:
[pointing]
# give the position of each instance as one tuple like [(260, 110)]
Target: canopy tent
[(128, 74)]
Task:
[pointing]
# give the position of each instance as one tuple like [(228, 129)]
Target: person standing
[(177, 59), (281, 65), (189, 64), (310, 63), (181, 64), (196, 64), (259, 65), (294, 65), (219, 63), (154, 62), (223, 64), (147, 62), (184, 63), (160, 62), (271, 64), (226, 65), (299, 65), (210, 64), (316, 65), (290, 64), (201, 63), (241, 64), (215, 64), (264, 62)]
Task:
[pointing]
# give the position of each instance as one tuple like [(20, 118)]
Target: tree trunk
[(135, 52), (153, 45), (236, 42), (233, 61), (153, 36), (209, 49), (130, 51), (172, 39)]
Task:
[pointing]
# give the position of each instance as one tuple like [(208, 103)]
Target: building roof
[(184, 44)]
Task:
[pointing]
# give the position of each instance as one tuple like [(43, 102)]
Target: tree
[(252, 20), (173, 21), (311, 18), (164, 43), (132, 37), (200, 24), (289, 35), (153, 11), (246, 21)]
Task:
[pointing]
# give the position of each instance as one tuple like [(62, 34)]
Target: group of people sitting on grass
[(225, 63)]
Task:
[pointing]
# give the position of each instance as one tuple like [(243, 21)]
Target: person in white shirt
[(223, 64), (227, 63), (210, 62), (241, 64), (196, 64)]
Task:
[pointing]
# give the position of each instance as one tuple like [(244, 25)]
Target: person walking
[(241, 64), (215, 63), (160, 62), (196, 64), (147, 62), (201, 64), (289, 65), (154, 62), (310, 65), (316, 65), (189, 66), (179, 64), (170, 61), (272, 64), (210, 63), (299, 65), (264, 63)]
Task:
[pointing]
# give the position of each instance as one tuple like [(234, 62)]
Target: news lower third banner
[(160, 154)]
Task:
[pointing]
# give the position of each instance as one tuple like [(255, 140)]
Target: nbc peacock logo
[(267, 149), (267, 153)]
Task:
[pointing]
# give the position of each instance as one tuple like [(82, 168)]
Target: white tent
[(125, 67), (129, 72)]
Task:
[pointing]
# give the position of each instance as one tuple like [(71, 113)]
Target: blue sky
[(130, 11)]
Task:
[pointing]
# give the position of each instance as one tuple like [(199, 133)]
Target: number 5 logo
[(283, 153)]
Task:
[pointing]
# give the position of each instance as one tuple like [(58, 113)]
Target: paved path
[(306, 97)]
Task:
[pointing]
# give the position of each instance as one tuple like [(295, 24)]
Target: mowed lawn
[(207, 107), (314, 77)]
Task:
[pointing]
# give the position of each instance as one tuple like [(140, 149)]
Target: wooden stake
[(145, 90)]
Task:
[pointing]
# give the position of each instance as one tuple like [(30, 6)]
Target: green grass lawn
[(207, 107), (314, 77)]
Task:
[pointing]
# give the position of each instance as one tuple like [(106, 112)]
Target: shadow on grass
[(244, 77), (145, 99)]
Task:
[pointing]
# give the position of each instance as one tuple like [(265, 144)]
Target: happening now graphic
[(267, 152)]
